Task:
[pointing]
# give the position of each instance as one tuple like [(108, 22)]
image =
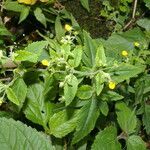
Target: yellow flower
[(112, 85), (136, 44), (68, 27), (124, 53), (28, 2), (45, 62)]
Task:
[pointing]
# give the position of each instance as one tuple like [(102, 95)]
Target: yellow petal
[(136, 44), (68, 27), (45, 62), (112, 85), (124, 53)]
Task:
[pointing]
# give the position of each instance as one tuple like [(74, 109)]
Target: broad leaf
[(146, 118), (4, 31), (125, 71), (15, 135), (107, 140), (37, 109), (89, 50), (87, 118), (61, 123), (40, 16), (11, 96), (99, 83), (24, 14), (144, 23), (85, 92), (135, 143), (100, 56), (126, 118), (77, 56), (60, 32), (103, 106), (111, 96), (14, 6), (20, 90), (70, 88), (147, 3)]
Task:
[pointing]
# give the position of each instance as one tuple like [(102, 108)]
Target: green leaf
[(77, 56), (32, 52), (89, 50), (146, 118), (111, 96), (15, 135), (103, 106), (37, 109), (126, 118), (20, 90), (85, 4), (144, 23), (100, 56), (23, 55), (87, 118), (85, 92), (125, 71), (107, 140), (147, 3), (24, 14), (14, 6), (135, 142), (11, 96), (40, 16), (61, 123), (60, 32), (4, 31), (70, 88), (99, 82)]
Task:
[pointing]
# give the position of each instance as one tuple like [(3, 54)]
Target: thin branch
[(133, 15)]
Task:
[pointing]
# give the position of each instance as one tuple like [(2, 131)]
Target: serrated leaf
[(111, 96), (125, 71), (89, 50), (37, 109), (14, 6), (126, 118), (87, 118), (11, 96), (40, 16), (146, 118), (135, 142), (20, 90), (26, 56), (85, 92), (100, 56), (60, 32), (85, 4), (61, 123), (103, 106), (144, 23), (77, 56), (32, 52), (15, 135), (24, 14), (107, 140), (99, 83), (70, 89), (147, 3)]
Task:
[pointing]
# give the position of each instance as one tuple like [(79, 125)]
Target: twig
[(6, 79), (133, 15)]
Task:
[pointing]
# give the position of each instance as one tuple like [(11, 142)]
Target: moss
[(90, 21)]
